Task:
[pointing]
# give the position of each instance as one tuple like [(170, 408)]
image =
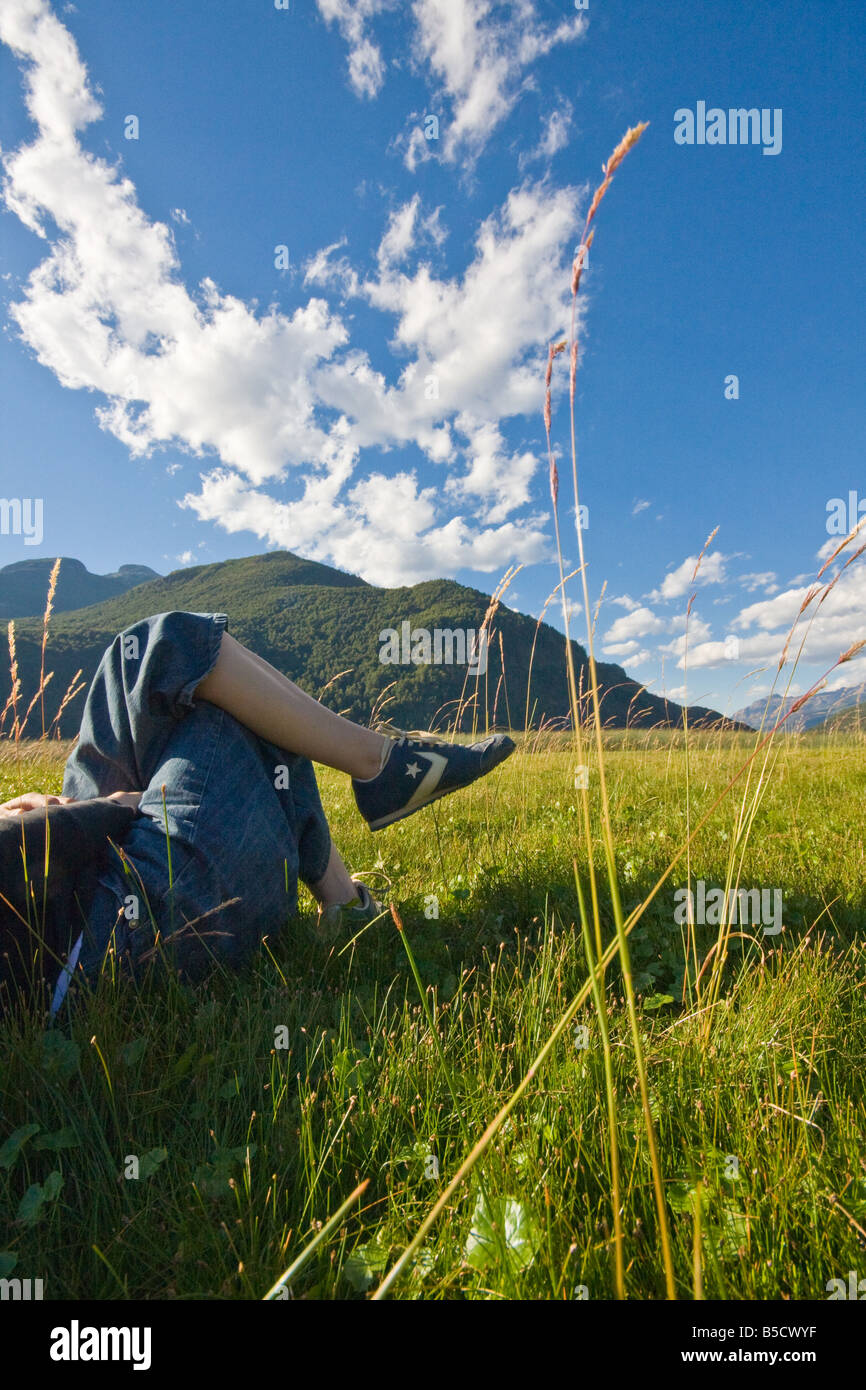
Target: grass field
[(551, 1079), (255, 1104)]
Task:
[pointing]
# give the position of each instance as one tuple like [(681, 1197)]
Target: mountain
[(322, 627), (24, 586), (816, 710)]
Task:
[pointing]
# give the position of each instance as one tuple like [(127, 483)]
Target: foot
[(420, 770), (344, 919)]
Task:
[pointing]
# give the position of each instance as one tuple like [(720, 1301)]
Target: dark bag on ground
[(49, 859)]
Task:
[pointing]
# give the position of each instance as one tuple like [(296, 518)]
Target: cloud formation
[(477, 58), (366, 64), (682, 579), (286, 399)]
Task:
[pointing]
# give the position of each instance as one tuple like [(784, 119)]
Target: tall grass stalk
[(294, 1269), (46, 619), (691, 935), (610, 1090), (629, 140)]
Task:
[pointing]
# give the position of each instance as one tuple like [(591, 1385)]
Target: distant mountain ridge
[(24, 586), (315, 623), (817, 710)]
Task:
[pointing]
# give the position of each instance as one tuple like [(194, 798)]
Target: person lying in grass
[(190, 810)]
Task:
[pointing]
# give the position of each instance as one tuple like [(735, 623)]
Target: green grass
[(246, 1147)]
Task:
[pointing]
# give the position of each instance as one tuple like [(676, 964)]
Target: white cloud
[(828, 628), (405, 228), (698, 633), (772, 614), (479, 334), (400, 235), (378, 531), (335, 273), (853, 673), (554, 135), (639, 506), (756, 636), (499, 480), (286, 399), (680, 581), (621, 651), (366, 64), (640, 622), (765, 580), (478, 57)]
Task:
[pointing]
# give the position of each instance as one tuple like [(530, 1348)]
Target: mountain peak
[(24, 585)]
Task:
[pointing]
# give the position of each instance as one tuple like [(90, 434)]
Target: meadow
[(532, 1078), (257, 1103)]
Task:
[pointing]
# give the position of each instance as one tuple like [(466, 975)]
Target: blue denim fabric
[(243, 818)]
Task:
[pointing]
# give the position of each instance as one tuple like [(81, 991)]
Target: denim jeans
[(227, 822)]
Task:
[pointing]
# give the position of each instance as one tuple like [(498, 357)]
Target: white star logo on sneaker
[(412, 770)]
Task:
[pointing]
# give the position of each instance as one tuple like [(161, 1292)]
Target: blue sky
[(175, 397)]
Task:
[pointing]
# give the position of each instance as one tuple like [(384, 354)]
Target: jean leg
[(304, 807), (224, 815), (143, 686)]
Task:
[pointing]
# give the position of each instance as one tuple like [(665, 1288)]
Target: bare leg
[(277, 710), (336, 886)]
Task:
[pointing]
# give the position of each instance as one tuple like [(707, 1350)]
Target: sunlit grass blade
[(285, 1280)]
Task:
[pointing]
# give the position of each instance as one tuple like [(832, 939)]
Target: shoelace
[(404, 737)]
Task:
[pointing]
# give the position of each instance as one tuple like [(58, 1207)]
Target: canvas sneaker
[(344, 919), (420, 769)]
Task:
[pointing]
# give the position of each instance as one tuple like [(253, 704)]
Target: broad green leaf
[(237, 1155), (30, 1205), (60, 1139), (731, 1233), (211, 1181), (52, 1185), (8, 1261), (185, 1061), (133, 1051), (520, 1156), (519, 1234), (15, 1143), (150, 1161), (59, 1056), (213, 1178), (658, 1001), (364, 1264), (351, 1070), (543, 1127), (681, 1195)]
